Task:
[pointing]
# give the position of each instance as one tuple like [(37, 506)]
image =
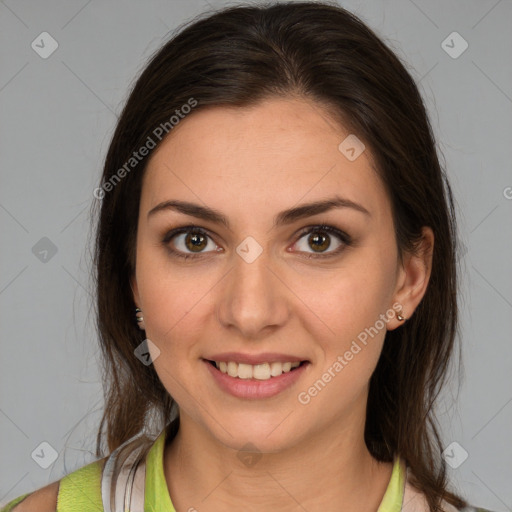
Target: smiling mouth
[(263, 371)]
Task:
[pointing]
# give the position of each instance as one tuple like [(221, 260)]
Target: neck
[(318, 474)]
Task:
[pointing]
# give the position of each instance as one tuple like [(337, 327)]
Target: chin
[(267, 435)]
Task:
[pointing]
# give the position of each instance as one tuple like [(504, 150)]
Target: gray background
[(57, 117)]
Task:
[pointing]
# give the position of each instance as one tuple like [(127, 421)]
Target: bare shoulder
[(42, 500)]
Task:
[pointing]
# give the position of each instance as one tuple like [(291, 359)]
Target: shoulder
[(42, 500), (415, 501), (63, 493)]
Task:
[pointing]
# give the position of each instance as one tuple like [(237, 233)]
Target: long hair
[(240, 56)]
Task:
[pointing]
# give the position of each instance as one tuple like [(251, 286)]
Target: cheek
[(349, 300), (176, 301), (172, 303), (351, 347)]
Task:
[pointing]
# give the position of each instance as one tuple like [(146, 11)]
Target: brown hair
[(239, 56)]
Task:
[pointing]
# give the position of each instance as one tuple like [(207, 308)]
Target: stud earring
[(139, 318), (400, 316)]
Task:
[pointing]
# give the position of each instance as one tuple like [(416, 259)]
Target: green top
[(81, 489), (157, 493)]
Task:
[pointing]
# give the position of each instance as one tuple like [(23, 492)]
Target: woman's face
[(266, 284)]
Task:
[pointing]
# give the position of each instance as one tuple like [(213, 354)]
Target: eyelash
[(344, 238)]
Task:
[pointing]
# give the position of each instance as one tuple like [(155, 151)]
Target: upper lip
[(266, 357)]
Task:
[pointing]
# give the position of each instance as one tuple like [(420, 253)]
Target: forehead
[(272, 155)]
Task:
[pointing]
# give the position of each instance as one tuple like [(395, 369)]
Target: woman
[(276, 278)]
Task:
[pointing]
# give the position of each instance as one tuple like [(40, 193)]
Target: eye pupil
[(320, 242), (196, 239)]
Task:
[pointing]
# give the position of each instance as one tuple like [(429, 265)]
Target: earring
[(139, 318), (400, 317)]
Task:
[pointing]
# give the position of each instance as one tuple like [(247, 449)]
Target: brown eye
[(319, 242), (315, 241), (195, 242), (187, 242)]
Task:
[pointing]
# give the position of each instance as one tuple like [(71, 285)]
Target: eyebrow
[(282, 218)]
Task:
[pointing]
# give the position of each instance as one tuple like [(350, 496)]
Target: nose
[(253, 298)]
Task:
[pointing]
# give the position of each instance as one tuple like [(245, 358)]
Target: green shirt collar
[(157, 493)]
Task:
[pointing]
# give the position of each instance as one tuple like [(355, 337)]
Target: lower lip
[(253, 388)]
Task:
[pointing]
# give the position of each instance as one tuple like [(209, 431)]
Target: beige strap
[(126, 493)]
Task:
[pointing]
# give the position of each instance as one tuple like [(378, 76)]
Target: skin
[(251, 164)]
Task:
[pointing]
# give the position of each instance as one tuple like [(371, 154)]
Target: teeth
[(245, 371), (232, 369), (262, 371), (276, 369)]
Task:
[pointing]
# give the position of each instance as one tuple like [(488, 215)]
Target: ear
[(413, 278)]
